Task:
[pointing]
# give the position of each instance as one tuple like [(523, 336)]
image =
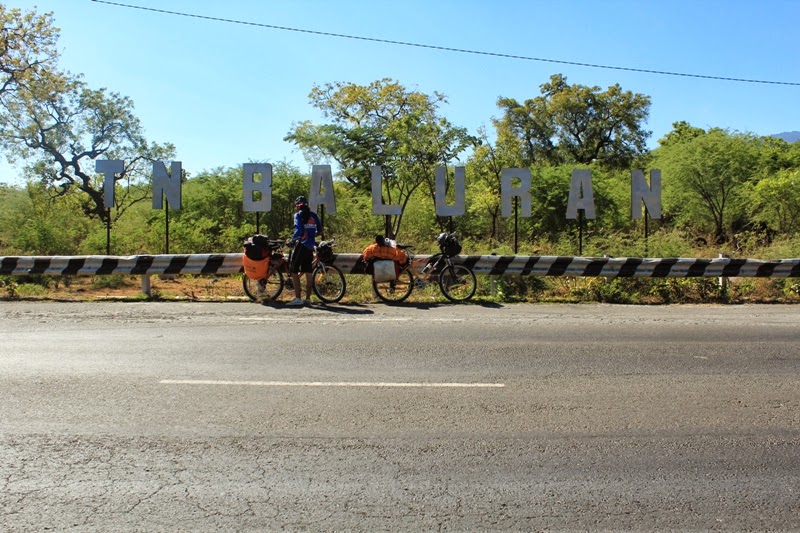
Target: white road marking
[(335, 319), (330, 384)]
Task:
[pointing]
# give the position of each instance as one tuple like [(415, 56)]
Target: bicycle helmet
[(301, 201)]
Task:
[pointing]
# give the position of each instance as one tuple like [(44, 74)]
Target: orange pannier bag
[(255, 268), (376, 251), (255, 261)]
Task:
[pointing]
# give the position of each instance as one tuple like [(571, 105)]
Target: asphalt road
[(237, 417)]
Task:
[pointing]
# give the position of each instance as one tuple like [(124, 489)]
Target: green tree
[(27, 49), (483, 172), (575, 124), (13, 204), (775, 201), (682, 132), (383, 124), (49, 226), (707, 175), (60, 128)]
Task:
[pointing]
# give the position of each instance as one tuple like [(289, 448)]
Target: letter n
[(650, 195), (167, 184)]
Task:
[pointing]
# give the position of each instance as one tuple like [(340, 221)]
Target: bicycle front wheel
[(328, 283), (396, 290), (265, 289), (457, 283)]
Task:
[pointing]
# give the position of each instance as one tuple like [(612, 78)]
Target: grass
[(499, 289)]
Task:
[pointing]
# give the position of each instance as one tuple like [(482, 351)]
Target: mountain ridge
[(788, 136)]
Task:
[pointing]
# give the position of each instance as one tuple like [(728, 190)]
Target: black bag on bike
[(449, 244), (255, 251), (325, 251), (260, 240)]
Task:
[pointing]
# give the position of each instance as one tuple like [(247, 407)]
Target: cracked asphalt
[(240, 417)]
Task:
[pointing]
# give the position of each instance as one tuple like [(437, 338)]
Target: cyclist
[(306, 227)]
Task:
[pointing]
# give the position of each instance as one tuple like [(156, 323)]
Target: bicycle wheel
[(261, 290), (328, 283), (457, 283), (396, 290)]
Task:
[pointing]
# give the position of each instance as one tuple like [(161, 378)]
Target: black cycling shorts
[(302, 259)]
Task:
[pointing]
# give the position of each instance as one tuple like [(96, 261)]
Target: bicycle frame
[(426, 270), (327, 280), (456, 281)]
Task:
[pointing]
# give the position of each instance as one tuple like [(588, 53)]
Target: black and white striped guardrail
[(494, 265)]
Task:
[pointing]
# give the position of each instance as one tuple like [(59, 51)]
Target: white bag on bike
[(384, 271)]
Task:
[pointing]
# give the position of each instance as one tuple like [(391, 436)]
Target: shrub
[(112, 281), (31, 290)]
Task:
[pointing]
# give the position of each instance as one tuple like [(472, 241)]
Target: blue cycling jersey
[(307, 232)]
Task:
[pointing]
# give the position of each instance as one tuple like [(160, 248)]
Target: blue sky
[(226, 94)]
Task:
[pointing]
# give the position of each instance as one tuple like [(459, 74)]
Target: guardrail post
[(493, 279), (146, 284), (723, 281)]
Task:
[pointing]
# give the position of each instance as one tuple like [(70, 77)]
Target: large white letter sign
[(651, 196), (109, 168), (458, 207), (581, 181), (508, 192), (378, 208), (321, 177), (250, 186), (167, 184)]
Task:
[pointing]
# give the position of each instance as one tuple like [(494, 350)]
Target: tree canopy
[(27, 50), (385, 124), (575, 124), (707, 176), (715, 181), (60, 126)]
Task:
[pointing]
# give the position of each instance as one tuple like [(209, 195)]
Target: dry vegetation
[(644, 291)]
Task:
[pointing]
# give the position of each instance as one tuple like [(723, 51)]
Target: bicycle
[(328, 281), (456, 281)]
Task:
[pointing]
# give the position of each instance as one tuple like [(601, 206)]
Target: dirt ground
[(130, 287), (164, 288)]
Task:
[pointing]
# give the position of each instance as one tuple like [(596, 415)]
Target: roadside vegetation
[(723, 192)]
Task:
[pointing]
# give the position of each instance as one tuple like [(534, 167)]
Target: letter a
[(581, 181), (321, 178)]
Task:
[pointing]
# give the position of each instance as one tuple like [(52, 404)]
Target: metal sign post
[(108, 231), (166, 218), (516, 225)]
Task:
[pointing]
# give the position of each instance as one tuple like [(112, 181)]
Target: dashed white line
[(332, 384)]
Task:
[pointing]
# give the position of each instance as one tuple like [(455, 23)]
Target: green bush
[(683, 290), (31, 290)]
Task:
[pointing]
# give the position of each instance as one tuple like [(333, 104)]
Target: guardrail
[(491, 265)]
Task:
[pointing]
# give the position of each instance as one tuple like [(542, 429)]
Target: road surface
[(240, 417)]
